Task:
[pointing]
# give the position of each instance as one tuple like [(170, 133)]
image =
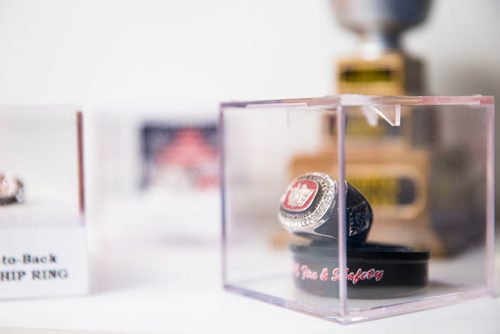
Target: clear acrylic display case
[(425, 165), (42, 229)]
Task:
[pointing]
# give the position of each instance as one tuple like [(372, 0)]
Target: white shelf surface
[(175, 286)]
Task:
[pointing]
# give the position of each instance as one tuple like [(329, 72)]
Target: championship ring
[(11, 190), (309, 208)]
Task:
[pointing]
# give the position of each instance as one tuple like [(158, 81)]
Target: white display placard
[(43, 262)]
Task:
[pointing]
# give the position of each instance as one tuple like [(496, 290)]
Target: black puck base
[(373, 270)]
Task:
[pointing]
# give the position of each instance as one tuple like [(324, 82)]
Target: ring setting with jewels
[(307, 201), (309, 208)]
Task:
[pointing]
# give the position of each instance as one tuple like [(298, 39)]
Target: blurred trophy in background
[(379, 66), (390, 165)]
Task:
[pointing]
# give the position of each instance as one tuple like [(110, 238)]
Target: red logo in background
[(300, 195)]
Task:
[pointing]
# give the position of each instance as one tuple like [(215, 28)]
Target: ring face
[(300, 195), (307, 202)]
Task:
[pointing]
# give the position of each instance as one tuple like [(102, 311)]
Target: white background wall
[(196, 53)]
